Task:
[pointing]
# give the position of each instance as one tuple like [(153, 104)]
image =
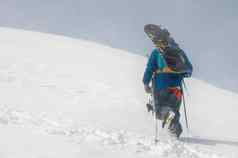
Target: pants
[(167, 100)]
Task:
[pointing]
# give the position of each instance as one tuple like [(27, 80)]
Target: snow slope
[(62, 97)]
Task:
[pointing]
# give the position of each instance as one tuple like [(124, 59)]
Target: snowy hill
[(62, 97)]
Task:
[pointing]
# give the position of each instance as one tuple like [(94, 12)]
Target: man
[(166, 87)]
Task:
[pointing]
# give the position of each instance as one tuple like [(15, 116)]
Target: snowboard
[(175, 58)]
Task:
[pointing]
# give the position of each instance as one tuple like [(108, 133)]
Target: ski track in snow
[(123, 140)]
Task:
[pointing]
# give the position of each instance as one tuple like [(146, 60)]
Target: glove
[(148, 89), (187, 75)]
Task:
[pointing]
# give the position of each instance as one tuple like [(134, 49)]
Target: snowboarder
[(165, 86)]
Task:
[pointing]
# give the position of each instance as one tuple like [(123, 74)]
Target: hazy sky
[(206, 29)]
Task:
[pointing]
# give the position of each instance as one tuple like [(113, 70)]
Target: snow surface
[(62, 97)]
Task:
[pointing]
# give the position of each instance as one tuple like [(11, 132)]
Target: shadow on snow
[(204, 141)]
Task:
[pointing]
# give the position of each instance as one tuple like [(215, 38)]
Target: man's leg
[(162, 112), (161, 107), (175, 126), (167, 107)]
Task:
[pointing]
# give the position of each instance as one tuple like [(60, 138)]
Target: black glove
[(187, 75), (148, 89)]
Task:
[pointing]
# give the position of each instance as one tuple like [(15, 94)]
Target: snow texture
[(62, 97)]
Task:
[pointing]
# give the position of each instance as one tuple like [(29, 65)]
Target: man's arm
[(190, 66), (150, 68)]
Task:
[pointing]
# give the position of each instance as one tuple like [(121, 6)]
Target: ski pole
[(155, 112), (185, 86), (156, 130), (184, 107)]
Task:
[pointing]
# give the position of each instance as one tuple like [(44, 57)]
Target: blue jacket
[(161, 80)]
